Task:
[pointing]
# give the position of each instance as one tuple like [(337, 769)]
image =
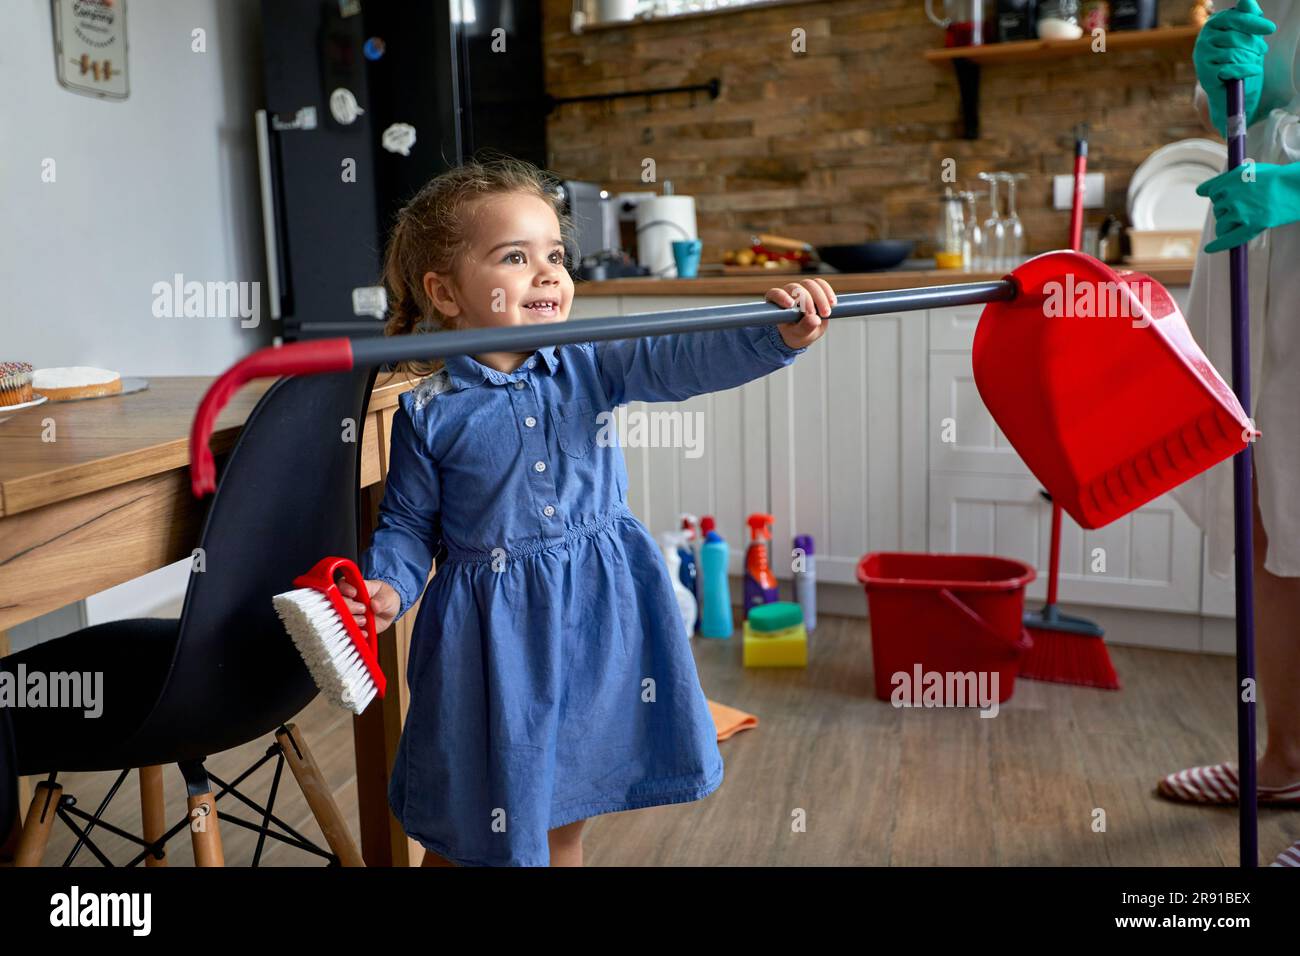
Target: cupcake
[(15, 383)]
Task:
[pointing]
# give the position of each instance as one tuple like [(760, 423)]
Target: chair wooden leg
[(153, 811), (319, 798), (205, 834), (38, 824)]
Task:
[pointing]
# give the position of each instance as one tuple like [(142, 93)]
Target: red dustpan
[(1096, 381)]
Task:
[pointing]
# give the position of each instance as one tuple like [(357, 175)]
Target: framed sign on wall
[(90, 46)]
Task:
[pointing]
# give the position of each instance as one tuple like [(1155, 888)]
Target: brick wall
[(845, 142)]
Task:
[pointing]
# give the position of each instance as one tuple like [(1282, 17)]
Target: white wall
[(160, 183)]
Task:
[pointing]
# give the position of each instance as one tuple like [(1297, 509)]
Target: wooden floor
[(876, 785)]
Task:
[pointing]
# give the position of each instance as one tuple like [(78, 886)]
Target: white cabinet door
[(852, 407), (983, 499), (1150, 559), (848, 454), (961, 433), (725, 471)]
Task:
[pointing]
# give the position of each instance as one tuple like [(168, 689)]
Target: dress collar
[(466, 371)]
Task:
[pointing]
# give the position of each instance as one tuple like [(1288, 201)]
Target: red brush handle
[(1076, 210), (296, 358), (321, 578), (1076, 244), (1054, 570)]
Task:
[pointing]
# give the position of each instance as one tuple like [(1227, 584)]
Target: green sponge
[(776, 616)]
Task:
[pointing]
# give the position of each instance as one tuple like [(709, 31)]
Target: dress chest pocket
[(575, 426)]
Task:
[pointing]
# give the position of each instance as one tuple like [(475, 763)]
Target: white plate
[(1205, 152), (7, 410), (1168, 200)]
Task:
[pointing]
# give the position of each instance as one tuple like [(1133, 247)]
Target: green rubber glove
[(1249, 199), (1231, 47)]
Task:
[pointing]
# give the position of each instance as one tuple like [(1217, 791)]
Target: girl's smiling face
[(512, 272)]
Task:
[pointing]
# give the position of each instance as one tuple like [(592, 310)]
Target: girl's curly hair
[(431, 232)]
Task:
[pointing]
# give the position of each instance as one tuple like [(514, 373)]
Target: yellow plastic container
[(787, 647)]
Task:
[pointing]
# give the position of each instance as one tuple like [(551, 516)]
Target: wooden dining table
[(96, 492)]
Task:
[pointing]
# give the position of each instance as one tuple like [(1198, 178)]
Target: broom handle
[(1076, 243), (342, 354), (1243, 511), (525, 338), (1054, 569)]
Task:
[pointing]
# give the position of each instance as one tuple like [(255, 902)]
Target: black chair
[(223, 674)]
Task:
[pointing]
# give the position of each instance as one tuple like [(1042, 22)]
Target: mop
[(1243, 512)]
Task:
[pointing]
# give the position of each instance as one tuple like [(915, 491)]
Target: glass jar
[(949, 240)]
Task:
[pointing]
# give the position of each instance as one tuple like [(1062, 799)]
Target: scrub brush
[(342, 660)]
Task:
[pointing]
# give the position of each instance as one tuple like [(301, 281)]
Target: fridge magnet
[(399, 138)]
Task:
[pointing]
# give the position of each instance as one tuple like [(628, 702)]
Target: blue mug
[(686, 252)]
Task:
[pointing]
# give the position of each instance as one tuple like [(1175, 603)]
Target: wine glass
[(1014, 249), (994, 239), (974, 235)]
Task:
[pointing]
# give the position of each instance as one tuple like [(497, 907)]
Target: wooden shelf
[(967, 60), (1042, 49)]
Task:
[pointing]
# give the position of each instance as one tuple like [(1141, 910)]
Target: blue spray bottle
[(715, 621)]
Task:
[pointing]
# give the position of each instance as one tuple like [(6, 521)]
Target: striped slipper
[(1217, 784), (1288, 857)]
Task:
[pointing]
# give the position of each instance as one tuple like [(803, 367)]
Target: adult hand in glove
[(1231, 47), (1249, 199)]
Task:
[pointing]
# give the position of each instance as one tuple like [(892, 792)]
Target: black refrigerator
[(364, 102)]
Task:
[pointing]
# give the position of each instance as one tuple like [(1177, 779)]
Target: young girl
[(551, 678)]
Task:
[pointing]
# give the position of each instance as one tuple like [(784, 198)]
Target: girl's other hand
[(816, 297), (384, 603)]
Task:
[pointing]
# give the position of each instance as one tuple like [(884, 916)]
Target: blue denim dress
[(551, 675)]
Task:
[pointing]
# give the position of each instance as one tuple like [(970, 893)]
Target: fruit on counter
[(758, 255)]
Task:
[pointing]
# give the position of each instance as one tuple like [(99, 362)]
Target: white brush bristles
[(326, 648)]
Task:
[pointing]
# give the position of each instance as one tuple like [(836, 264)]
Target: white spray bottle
[(669, 542)]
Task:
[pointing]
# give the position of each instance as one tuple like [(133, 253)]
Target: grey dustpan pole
[(524, 338), (1243, 513)]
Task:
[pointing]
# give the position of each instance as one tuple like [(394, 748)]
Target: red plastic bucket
[(950, 614)]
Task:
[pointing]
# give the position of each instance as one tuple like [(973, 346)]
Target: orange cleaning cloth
[(729, 720)]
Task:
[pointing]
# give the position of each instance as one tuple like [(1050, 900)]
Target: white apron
[(1274, 257)]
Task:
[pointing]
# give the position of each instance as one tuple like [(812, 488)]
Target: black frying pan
[(869, 256)]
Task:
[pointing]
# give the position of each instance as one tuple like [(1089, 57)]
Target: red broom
[(1067, 650)]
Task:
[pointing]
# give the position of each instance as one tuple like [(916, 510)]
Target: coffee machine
[(597, 231)]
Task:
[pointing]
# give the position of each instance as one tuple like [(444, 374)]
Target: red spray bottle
[(760, 582)]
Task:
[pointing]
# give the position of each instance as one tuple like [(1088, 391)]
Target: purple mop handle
[(1243, 512)]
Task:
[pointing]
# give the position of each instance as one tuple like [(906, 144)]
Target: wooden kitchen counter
[(1175, 273)]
